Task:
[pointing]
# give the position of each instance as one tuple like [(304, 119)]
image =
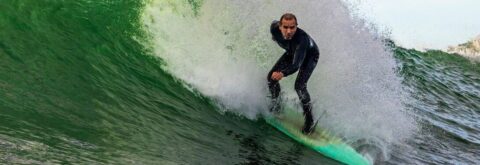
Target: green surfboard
[(290, 122)]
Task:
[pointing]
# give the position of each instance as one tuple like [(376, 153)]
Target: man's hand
[(277, 76)]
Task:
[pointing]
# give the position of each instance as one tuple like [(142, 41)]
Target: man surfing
[(301, 54)]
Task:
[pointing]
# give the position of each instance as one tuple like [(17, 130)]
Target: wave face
[(183, 82), (446, 91)]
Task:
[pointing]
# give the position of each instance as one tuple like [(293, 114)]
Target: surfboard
[(289, 122)]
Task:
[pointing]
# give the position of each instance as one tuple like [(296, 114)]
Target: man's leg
[(301, 88), (273, 85)]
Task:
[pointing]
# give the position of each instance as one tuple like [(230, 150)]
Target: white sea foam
[(226, 51)]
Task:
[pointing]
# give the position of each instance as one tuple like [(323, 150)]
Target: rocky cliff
[(470, 48)]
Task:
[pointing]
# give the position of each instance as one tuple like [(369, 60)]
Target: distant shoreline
[(469, 49)]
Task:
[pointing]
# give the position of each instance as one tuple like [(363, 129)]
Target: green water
[(79, 86)]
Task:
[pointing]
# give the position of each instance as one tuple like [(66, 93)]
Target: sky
[(424, 24)]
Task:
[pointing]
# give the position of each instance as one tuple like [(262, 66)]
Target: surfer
[(301, 54)]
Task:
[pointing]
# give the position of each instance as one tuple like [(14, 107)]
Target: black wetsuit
[(301, 53)]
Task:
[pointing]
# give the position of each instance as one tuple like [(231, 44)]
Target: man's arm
[(299, 56), (274, 26)]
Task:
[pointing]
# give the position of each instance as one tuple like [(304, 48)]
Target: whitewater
[(224, 51)]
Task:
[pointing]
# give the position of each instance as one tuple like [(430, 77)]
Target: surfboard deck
[(290, 122)]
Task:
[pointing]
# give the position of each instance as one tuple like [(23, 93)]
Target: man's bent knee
[(300, 86), (303, 95)]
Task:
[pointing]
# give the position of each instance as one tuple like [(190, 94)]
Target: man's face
[(288, 28)]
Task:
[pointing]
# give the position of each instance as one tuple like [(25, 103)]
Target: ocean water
[(183, 82)]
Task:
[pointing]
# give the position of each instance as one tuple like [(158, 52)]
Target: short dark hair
[(288, 16)]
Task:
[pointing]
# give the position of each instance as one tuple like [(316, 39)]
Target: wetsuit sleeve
[(273, 26), (299, 56)]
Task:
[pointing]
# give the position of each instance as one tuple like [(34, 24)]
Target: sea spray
[(224, 50)]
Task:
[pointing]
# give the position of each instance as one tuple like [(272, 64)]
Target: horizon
[(429, 24)]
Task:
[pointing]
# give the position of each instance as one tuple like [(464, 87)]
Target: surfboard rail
[(321, 141)]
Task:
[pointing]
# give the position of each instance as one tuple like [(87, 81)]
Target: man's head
[(288, 25)]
